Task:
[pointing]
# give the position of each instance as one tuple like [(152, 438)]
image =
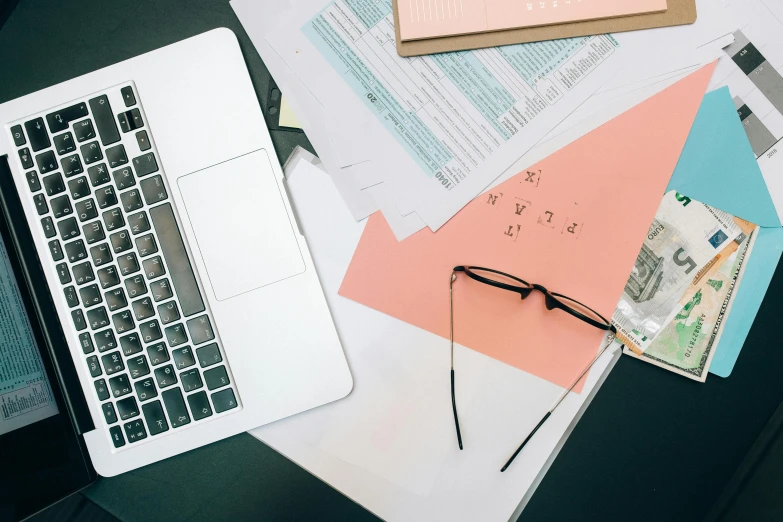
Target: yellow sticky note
[(287, 116)]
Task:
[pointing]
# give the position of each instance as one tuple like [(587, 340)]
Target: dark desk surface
[(652, 446)]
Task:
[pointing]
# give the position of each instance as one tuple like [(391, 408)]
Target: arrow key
[(156, 420)]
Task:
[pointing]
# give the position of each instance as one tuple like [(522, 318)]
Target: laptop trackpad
[(241, 225)]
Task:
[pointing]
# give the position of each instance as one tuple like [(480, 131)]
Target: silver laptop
[(186, 296)]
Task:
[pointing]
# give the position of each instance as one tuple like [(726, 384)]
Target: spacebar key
[(170, 241)]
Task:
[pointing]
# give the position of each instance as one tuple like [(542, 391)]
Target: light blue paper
[(717, 166)]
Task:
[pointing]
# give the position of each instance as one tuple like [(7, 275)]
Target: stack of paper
[(418, 138)]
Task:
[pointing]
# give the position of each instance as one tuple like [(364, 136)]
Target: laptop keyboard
[(101, 196)]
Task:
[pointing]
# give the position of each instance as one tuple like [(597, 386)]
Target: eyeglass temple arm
[(451, 333), (610, 340)]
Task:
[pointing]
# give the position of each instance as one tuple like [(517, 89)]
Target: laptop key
[(116, 156), (145, 389), (106, 197), (98, 318), (85, 341), (83, 273), (154, 191), (175, 407), (63, 273), (99, 175), (127, 408), (146, 245), (127, 96), (78, 320), (46, 162), (70, 296), (53, 184), (61, 206), (48, 227), (165, 376), (91, 152), (145, 164), (72, 166), (68, 228), (18, 135), (36, 131), (84, 131), (216, 378), (143, 309), (138, 223), (76, 251), (134, 431), (64, 144), (93, 232), (113, 219), (123, 322), (101, 254), (143, 140), (32, 181), (208, 355), (56, 250), (191, 380), (173, 248), (175, 335), (183, 357), (86, 210), (115, 432), (200, 329), (156, 419), (108, 413), (168, 312), (108, 277), (138, 367), (102, 390), (150, 331), (161, 290), (105, 341), (123, 178), (79, 188), (199, 405), (26, 158), (135, 286), (59, 120), (94, 366), (90, 295), (130, 344), (153, 267), (120, 241), (115, 299), (131, 200), (128, 264), (40, 204), (112, 363), (224, 400), (119, 385), (158, 353), (104, 120)]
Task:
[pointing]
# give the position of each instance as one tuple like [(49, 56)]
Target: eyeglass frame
[(552, 303)]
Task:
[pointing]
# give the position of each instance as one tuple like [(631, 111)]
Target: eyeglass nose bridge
[(549, 300)]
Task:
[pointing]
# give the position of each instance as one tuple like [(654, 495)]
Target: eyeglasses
[(552, 301)]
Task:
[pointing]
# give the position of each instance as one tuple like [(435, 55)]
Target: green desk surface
[(652, 446)]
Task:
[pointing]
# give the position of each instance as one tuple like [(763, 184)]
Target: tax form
[(442, 127)]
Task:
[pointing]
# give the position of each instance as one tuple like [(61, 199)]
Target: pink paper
[(420, 19), (574, 223)]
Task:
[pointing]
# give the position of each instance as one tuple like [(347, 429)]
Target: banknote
[(682, 240), (688, 343)]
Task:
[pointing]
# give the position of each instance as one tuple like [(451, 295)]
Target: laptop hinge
[(45, 319)]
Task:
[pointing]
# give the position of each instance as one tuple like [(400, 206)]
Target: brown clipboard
[(678, 12)]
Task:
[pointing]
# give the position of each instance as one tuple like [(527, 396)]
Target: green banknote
[(687, 344)]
